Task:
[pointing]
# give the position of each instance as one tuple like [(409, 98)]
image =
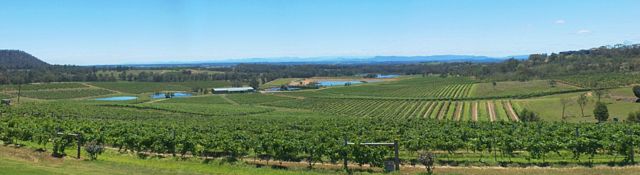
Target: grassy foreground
[(27, 161)]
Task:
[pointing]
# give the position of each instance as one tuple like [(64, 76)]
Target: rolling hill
[(17, 59)]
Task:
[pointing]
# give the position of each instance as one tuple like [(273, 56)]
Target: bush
[(528, 116), (427, 159), (634, 117), (94, 149), (601, 112), (636, 91)]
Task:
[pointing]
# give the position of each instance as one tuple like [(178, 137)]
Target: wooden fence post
[(397, 154), (78, 138), (344, 154)]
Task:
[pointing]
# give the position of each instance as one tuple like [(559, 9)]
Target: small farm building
[(232, 90)]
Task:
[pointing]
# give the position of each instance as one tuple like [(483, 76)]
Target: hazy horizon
[(151, 31)]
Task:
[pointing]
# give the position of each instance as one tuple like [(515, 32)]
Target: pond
[(175, 95), (337, 83), (387, 76), (118, 98)]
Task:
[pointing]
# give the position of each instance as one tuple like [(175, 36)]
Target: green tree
[(552, 83), (599, 93), (255, 84), (601, 112), (564, 102), (582, 102), (636, 91)]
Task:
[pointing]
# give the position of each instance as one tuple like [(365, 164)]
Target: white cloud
[(583, 32), (560, 21)]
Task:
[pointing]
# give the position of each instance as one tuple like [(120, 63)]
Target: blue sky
[(88, 32)]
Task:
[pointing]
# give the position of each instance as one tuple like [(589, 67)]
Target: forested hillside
[(621, 60), (16, 59)]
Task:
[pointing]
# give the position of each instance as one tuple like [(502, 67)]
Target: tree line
[(607, 59)]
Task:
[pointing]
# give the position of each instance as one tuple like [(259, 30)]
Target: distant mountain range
[(342, 60), (16, 59)]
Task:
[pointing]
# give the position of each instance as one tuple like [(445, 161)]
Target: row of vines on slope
[(320, 139)]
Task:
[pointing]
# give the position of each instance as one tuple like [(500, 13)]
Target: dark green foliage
[(634, 117), (254, 83), (636, 91), (294, 138), (528, 116), (16, 59), (552, 83), (601, 112)]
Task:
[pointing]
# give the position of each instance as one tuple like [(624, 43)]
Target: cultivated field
[(414, 87), (470, 133), (142, 87)]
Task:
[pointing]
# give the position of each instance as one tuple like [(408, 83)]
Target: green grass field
[(550, 108), (208, 99), (205, 109), (19, 161), (149, 87), (256, 98), (41, 86), (514, 88), (3, 96), (65, 94), (278, 82)]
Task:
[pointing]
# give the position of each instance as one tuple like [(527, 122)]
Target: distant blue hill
[(339, 60), (375, 59)]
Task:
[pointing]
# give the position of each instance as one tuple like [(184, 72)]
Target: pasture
[(65, 94), (278, 82), (42, 86), (517, 88), (620, 102)]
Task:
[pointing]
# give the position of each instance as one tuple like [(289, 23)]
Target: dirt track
[(459, 106), (512, 114), (492, 112), (474, 112)]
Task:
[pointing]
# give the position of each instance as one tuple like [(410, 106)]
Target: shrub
[(601, 112), (528, 116), (636, 91), (427, 159), (94, 149), (634, 117)]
